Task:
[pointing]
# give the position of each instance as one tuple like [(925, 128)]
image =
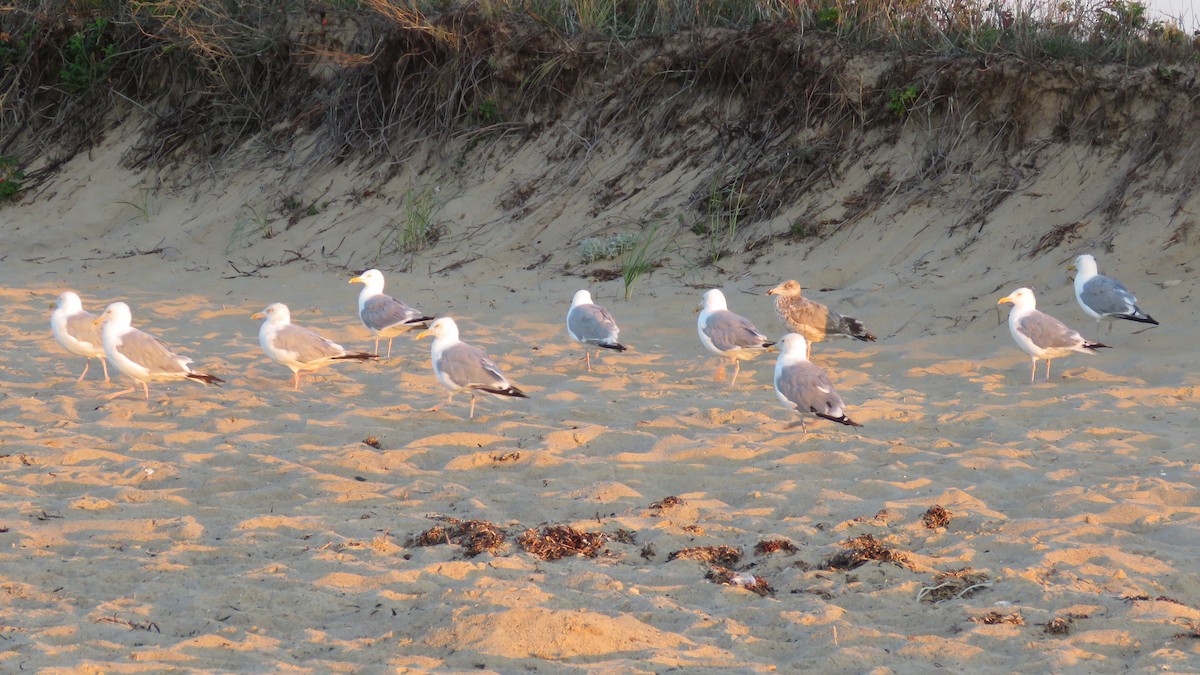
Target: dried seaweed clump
[(772, 545), (961, 583), (862, 549), (666, 502), (992, 618), (723, 556), (560, 541), (750, 582), (936, 517), (1058, 626), (475, 536)]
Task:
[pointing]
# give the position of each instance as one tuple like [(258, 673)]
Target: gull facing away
[(726, 334), (458, 365), (812, 319), (805, 386), (77, 332), (384, 315), (591, 324), (1104, 297), (299, 349), (141, 356), (1041, 335)]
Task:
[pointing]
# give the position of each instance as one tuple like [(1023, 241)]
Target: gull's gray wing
[(729, 331), (593, 324), (809, 389), (470, 367), (1048, 332), (82, 326), (383, 311), (1107, 296), (151, 353), (305, 344)]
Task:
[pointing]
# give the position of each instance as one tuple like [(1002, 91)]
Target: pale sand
[(248, 528)]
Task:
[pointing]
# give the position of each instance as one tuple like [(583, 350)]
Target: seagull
[(297, 348), (386, 316), (805, 386), (812, 319), (77, 332), (726, 334), (1104, 297), (458, 365), (142, 356), (591, 324), (1041, 335)]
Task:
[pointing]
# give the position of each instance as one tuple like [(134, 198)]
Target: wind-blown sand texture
[(252, 528)]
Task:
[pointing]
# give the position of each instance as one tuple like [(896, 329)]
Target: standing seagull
[(1104, 297), (726, 334), (297, 348), (1041, 335), (77, 332), (386, 316), (142, 356), (592, 324), (458, 365), (804, 386), (812, 319)]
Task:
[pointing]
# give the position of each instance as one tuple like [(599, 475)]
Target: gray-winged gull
[(805, 386), (458, 365), (591, 324), (297, 348), (726, 334), (141, 356), (1104, 297), (384, 315), (1041, 335), (77, 332)]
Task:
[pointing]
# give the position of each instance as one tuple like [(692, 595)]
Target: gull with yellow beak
[(1041, 335), (296, 348), (458, 365), (77, 332), (141, 356), (385, 316)]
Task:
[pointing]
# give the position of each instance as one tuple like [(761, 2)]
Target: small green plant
[(417, 229), (488, 113), (142, 206), (640, 259), (606, 248), (251, 224), (901, 101), (85, 58), (10, 178), (722, 209)]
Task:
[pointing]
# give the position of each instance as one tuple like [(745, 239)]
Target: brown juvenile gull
[(1104, 297), (812, 319), (805, 386), (299, 349), (384, 315), (458, 365), (77, 332), (142, 356), (726, 334), (1041, 335), (591, 324)]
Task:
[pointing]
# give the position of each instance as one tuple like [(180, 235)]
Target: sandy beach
[(252, 528)]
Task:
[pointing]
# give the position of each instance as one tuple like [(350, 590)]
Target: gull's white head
[(1021, 298), (69, 302), (441, 329), (1085, 267), (275, 313), (713, 301), (117, 314), (371, 279), (581, 298), (793, 346)]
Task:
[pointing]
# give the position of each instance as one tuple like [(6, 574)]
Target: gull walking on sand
[(458, 365), (296, 348), (813, 320), (726, 334), (1104, 297), (384, 315), (1041, 335), (77, 332), (591, 324), (141, 356), (804, 386)]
